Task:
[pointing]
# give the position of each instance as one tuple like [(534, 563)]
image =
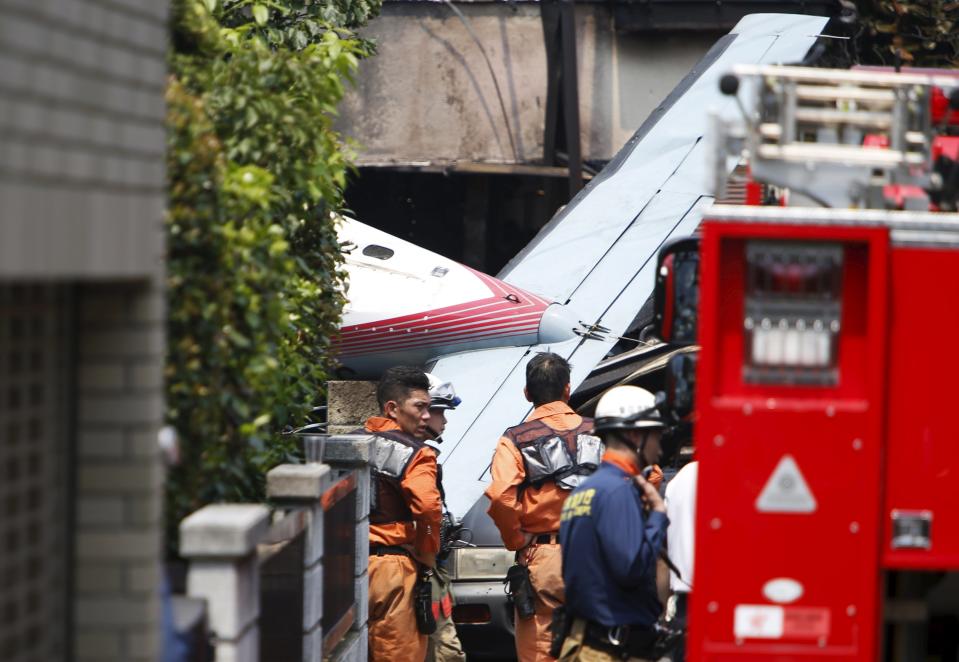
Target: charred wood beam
[(562, 91)]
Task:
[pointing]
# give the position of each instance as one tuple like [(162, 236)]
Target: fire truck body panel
[(826, 515), (754, 434), (922, 429), (826, 464)]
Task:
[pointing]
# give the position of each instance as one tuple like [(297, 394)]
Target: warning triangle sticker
[(786, 490)]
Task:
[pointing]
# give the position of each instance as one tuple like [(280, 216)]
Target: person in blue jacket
[(612, 529)]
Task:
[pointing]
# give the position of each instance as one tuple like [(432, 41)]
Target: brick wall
[(82, 195), (119, 473)]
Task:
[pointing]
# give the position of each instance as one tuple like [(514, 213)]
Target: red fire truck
[(827, 410)]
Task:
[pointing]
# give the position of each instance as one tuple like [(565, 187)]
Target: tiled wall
[(81, 136)]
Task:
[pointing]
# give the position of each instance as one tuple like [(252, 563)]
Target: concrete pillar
[(302, 486), (220, 543), (349, 404), (351, 453)]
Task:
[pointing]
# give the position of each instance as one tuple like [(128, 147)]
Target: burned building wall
[(429, 97)]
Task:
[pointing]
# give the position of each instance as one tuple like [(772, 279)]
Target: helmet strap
[(637, 449), (642, 448)]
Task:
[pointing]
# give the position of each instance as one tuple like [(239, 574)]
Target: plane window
[(379, 252), (439, 272)]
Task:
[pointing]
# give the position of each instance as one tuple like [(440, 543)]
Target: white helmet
[(442, 395), (627, 408)]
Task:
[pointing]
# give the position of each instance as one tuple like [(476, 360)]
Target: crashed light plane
[(590, 268), (435, 306)]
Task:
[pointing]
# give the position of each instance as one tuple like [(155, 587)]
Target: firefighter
[(613, 527), (532, 476), (444, 644), (405, 514), (443, 398)]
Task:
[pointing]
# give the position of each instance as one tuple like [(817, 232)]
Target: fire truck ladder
[(837, 137)]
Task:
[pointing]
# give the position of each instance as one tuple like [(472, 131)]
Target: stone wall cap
[(348, 448), (224, 530), (298, 481)]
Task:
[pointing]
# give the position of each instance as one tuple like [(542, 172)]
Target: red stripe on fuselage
[(432, 341), (525, 299), (431, 318), (457, 330), (442, 323)]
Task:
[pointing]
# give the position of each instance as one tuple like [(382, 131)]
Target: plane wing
[(598, 254)]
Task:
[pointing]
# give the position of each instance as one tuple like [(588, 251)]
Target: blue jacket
[(610, 547)]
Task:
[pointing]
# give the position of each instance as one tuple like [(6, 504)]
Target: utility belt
[(389, 550), (622, 641), (538, 539)]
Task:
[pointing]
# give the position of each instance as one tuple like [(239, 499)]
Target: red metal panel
[(834, 435), (922, 468)]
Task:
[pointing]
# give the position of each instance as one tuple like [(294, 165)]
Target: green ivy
[(255, 170)]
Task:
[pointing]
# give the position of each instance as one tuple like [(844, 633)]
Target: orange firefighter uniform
[(405, 514), (523, 502)]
